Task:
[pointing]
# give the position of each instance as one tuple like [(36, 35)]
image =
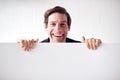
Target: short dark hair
[(57, 9)]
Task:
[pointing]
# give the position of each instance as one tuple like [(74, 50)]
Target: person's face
[(57, 27)]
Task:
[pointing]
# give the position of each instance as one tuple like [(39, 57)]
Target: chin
[(57, 41), (54, 39)]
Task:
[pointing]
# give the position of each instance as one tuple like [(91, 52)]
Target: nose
[(58, 27)]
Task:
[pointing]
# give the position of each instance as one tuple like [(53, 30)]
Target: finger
[(87, 43), (83, 39), (19, 42), (90, 43), (22, 43), (35, 41), (98, 42), (26, 45), (29, 45), (32, 43), (93, 43)]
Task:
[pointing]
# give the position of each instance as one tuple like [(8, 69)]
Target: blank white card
[(59, 61)]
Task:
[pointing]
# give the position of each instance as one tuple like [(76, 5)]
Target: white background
[(23, 19)]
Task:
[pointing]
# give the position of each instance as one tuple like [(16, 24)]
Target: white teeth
[(58, 35)]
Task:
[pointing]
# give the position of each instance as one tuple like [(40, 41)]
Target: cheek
[(67, 30), (49, 30)]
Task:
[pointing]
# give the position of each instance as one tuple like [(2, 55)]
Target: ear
[(45, 26), (68, 28)]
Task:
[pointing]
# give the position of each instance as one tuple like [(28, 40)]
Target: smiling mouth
[(58, 35), (58, 38)]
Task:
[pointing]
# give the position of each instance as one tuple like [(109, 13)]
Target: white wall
[(91, 18)]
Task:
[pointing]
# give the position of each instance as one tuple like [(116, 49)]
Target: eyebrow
[(61, 21)]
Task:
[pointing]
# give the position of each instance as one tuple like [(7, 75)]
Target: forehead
[(57, 17)]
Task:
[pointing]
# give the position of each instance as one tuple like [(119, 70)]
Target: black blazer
[(68, 40)]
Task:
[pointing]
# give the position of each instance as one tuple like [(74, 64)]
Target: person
[(57, 25)]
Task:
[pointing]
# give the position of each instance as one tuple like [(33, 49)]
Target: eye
[(62, 24), (52, 24)]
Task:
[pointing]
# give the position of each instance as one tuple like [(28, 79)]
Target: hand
[(27, 45), (91, 43)]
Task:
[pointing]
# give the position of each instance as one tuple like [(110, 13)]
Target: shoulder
[(45, 41), (69, 40)]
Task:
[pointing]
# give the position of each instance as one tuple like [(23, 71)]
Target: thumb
[(83, 39), (21, 43), (36, 40)]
